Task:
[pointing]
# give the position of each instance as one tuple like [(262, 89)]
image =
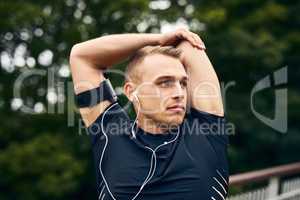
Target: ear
[(128, 89)]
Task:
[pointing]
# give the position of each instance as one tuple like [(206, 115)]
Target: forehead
[(156, 65)]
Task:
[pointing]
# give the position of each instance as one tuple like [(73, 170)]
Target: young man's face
[(162, 92)]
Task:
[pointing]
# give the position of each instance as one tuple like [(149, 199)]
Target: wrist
[(154, 39), (185, 47)]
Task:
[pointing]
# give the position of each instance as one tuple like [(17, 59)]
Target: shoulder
[(113, 121), (111, 115), (94, 101), (214, 127)]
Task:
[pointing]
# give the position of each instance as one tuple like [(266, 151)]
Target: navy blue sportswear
[(190, 161)]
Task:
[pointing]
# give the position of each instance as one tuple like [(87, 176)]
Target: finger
[(181, 33), (190, 38), (196, 40), (200, 43)]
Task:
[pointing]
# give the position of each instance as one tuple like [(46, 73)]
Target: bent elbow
[(75, 51)]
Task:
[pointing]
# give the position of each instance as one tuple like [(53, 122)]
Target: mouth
[(176, 108)]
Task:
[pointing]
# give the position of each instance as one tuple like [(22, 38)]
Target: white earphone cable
[(153, 157)]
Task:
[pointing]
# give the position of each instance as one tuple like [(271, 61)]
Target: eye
[(183, 83), (166, 83)]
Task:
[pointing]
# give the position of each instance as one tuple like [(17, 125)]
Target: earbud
[(134, 94)]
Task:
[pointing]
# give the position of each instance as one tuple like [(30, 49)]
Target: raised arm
[(88, 60), (204, 88)]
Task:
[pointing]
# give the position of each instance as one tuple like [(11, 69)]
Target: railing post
[(273, 187)]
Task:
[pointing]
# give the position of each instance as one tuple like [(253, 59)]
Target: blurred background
[(44, 151)]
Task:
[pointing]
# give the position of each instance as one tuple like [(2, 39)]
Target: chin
[(176, 120), (170, 119)]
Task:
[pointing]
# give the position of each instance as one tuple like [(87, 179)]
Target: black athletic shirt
[(190, 161)]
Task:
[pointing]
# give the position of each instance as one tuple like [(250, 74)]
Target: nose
[(178, 91)]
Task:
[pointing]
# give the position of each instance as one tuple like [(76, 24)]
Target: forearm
[(204, 88), (196, 62), (108, 50)]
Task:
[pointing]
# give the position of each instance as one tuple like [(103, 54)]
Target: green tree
[(42, 157)]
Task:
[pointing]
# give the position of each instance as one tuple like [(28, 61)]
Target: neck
[(152, 127)]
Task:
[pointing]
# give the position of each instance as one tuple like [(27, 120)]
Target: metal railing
[(279, 186)]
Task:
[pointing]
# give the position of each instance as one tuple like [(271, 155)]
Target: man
[(176, 148)]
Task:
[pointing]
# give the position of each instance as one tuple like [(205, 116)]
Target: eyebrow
[(160, 78)]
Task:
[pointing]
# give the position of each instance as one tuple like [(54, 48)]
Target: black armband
[(94, 96)]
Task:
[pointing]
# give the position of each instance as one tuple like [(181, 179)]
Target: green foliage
[(42, 166), (41, 157)]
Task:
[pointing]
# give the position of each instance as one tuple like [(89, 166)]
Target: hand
[(175, 37)]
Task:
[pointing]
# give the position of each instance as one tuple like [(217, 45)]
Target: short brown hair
[(140, 54)]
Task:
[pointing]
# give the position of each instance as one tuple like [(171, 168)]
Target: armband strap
[(94, 96)]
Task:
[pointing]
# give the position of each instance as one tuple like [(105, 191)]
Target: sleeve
[(112, 119), (215, 129), (213, 126), (108, 125), (110, 122)]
